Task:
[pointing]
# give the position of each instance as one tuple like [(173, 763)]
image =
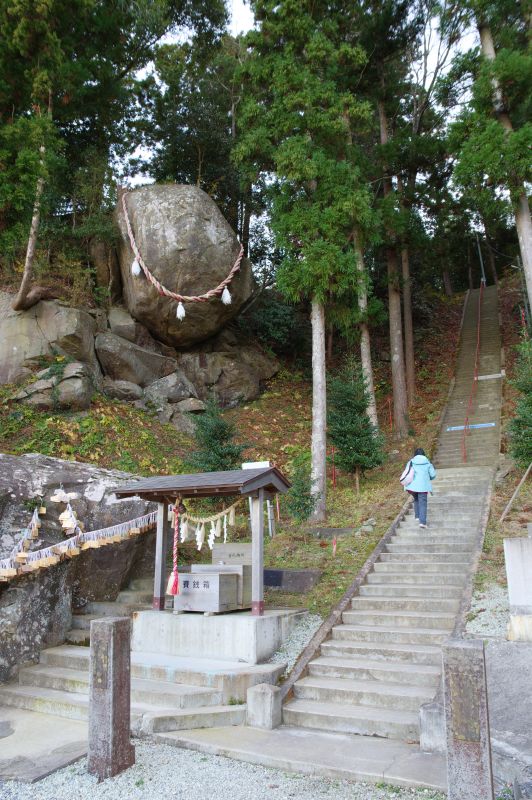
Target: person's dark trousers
[(420, 506)]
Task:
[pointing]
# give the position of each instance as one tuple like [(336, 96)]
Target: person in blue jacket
[(424, 472)]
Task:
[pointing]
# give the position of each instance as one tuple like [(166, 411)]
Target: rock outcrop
[(35, 610), (190, 248), (47, 328), (72, 389), (122, 360)]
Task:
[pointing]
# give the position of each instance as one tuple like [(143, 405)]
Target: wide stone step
[(400, 619), (191, 719), (377, 694), (352, 719), (419, 567), (405, 604), (157, 693), (78, 637), (375, 670), (82, 622), (385, 634), (384, 651), (433, 548), (425, 556), (428, 537), (409, 590), (141, 585), (129, 596), (459, 526), (116, 609), (448, 579)]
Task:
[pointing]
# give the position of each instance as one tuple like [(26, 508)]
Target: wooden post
[(257, 554), (159, 583)]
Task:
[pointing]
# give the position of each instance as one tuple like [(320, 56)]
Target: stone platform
[(353, 758), (237, 636)]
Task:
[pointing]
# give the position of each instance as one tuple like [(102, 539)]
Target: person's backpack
[(408, 475)]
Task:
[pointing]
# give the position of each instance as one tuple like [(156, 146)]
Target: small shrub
[(299, 500), (214, 437), (521, 425)]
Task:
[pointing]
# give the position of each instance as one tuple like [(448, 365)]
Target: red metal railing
[(475, 376)]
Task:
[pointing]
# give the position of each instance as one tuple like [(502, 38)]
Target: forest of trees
[(360, 149)]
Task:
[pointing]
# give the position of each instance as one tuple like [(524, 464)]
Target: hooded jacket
[(423, 473)]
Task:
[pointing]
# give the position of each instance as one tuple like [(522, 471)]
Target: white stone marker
[(518, 558)]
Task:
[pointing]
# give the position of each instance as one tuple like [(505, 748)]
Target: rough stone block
[(432, 732), (292, 580), (469, 771), (110, 748), (264, 706)]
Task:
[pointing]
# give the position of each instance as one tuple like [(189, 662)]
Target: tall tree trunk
[(410, 363), (523, 222), (319, 411), (400, 399), (447, 283), (491, 257), (469, 266), (365, 345), (21, 300), (330, 342)]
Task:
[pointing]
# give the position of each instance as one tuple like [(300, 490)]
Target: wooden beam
[(257, 554), (159, 583)]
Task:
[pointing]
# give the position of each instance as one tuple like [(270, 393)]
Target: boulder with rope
[(175, 243)]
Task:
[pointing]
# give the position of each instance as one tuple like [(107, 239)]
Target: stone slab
[(518, 561), (292, 580), (237, 636), (363, 758), (33, 746)]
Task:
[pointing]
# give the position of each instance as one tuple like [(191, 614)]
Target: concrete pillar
[(159, 582), (469, 772), (518, 561), (263, 706), (257, 554), (110, 748)]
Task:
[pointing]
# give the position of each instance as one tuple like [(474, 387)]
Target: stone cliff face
[(36, 610)]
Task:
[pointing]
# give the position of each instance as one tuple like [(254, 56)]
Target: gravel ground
[(297, 641), (489, 613), (168, 773)]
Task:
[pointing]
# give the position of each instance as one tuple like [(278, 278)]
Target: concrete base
[(33, 746), (238, 636), (264, 706), (352, 758), (520, 628)]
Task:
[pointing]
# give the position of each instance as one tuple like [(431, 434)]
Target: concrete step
[(385, 634), (462, 525), (410, 590), (427, 536), (82, 622), (157, 693), (405, 604), (416, 555), (396, 578), (78, 637), (141, 585), (187, 719), (116, 609), (377, 694), (369, 669), (444, 547), (400, 619), (352, 719), (129, 596), (419, 567), (394, 651)]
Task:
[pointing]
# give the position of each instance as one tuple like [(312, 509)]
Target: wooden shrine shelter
[(257, 484)]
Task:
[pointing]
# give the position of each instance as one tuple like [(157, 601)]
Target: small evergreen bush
[(521, 425), (299, 500), (214, 437), (358, 444)]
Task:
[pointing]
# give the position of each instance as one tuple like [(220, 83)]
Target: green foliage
[(277, 324), (214, 437), (358, 444), (299, 500), (521, 425)]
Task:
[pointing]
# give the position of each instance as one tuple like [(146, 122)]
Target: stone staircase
[(482, 444), (137, 597), (384, 660)]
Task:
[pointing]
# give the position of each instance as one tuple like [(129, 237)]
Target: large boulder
[(49, 327), (229, 371), (122, 324), (190, 248), (121, 360), (72, 389)]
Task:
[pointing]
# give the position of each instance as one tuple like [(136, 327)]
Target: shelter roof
[(206, 484)]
